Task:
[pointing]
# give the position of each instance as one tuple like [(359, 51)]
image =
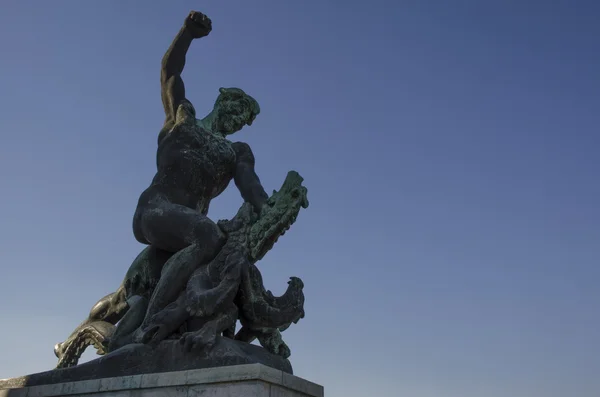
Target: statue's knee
[(209, 236)]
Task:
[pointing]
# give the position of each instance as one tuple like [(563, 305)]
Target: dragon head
[(277, 215)]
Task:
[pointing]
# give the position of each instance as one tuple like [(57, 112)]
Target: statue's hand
[(259, 209), (198, 24)]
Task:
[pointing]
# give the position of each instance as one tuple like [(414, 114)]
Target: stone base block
[(250, 380), (168, 356)]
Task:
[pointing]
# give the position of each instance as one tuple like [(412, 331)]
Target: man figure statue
[(195, 162)]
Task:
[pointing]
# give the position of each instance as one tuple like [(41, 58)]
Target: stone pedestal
[(250, 380)]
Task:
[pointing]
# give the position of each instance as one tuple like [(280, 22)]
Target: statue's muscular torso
[(194, 166)]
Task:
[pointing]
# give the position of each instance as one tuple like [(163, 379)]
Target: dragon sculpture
[(219, 293)]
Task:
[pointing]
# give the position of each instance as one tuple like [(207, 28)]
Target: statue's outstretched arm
[(246, 179), (196, 25)]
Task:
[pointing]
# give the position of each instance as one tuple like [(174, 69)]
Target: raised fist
[(198, 24)]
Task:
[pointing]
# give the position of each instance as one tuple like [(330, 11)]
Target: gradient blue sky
[(450, 149)]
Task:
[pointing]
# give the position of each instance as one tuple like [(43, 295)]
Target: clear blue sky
[(450, 149)]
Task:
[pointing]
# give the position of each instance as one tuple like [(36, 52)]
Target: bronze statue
[(197, 278)]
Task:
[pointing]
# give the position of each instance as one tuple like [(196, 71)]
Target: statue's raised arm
[(196, 25)]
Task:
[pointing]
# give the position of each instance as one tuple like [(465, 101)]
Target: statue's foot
[(203, 339)]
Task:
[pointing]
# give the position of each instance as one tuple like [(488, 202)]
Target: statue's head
[(233, 110)]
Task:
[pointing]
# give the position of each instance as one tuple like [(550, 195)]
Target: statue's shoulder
[(182, 132), (241, 147), (243, 152), (186, 112)]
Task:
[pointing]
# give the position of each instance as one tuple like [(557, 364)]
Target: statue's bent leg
[(165, 322), (144, 273), (200, 299), (172, 227), (174, 277), (195, 238), (123, 334)]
